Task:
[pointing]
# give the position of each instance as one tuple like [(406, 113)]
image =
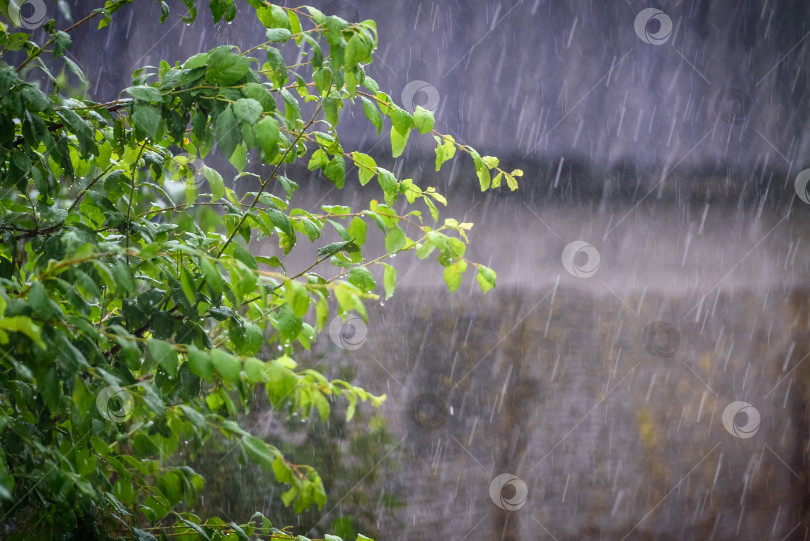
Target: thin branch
[(271, 177), (132, 196)]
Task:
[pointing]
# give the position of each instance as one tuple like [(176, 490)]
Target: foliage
[(132, 314), (356, 461)]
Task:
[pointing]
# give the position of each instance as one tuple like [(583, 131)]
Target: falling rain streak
[(640, 370)]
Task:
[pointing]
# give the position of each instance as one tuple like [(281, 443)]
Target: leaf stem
[(266, 182), (132, 196)]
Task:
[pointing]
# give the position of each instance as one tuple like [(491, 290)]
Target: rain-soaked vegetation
[(639, 372)]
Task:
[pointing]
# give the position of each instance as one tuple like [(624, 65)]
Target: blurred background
[(640, 372)]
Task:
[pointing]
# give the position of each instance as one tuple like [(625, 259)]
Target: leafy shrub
[(132, 314)]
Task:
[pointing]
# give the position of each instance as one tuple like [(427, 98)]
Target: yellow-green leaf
[(389, 280)]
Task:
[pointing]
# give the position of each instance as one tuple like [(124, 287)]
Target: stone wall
[(617, 433)]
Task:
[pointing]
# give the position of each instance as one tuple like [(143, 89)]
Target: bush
[(133, 314)]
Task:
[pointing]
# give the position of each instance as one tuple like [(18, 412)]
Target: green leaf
[(272, 16), (335, 171), (145, 93), (486, 278), (289, 496), (323, 80), (395, 239), (317, 54), (85, 132), (219, 9), (48, 385), (334, 248), (147, 118), (288, 324), (212, 277), (318, 160), (199, 60), (321, 314), (282, 470), (292, 110), (187, 284), (423, 119), (372, 113), (277, 65), (261, 94), (247, 110), (243, 255), (61, 40), (336, 210), (356, 51), (316, 14), (164, 354), (387, 180), (280, 220), (366, 167), (452, 274), (258, 451), (40, 301), (331, 110), (123, 277), (389, 280), (295, 25), (398, 142), (281, 385), (491, 161), (445, 150), (297, 297), (246, 336), (200, 363), (215, 181), (401, 120), (432, 207), (239, 157), (289, 186), (192, 12), (226, 365), (334, 29), (267, 135), (34, 98), (481, 170), (278, 34), (254, 369), (227, 131), (357, 230), (225, 67), (483, 178), (362, 278), (164, 11)]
